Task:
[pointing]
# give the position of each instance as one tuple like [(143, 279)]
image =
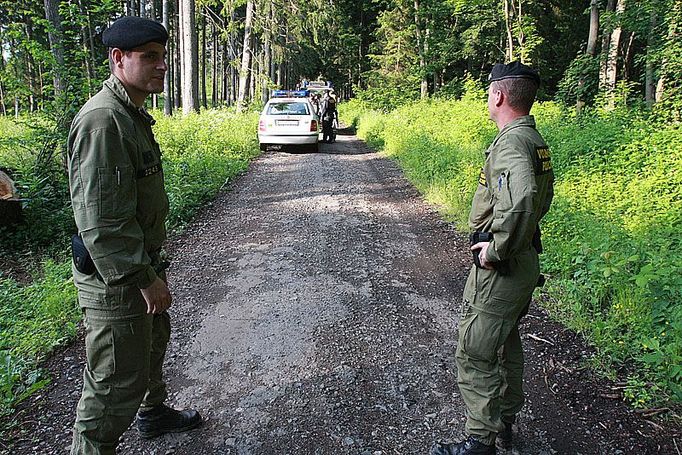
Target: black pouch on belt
[(81, 256), (502, 267), (475, 238)]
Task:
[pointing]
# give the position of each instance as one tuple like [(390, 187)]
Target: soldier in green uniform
[(514, 192), (120, 206)]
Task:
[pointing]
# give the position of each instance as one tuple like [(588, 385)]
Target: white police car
[(288, 118)]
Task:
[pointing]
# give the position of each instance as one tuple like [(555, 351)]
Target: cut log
[(10, 205), (7, 189)]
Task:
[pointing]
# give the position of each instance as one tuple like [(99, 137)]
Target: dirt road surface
[(315, 312)]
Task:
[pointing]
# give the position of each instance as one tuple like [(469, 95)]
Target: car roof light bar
[(290, 93)]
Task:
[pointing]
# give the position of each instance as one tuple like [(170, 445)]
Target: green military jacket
[(515, 189), (117, 190)]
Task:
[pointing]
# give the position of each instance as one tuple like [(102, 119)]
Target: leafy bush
[(201, 153), (27, 150), (614, 260), (388, 92)]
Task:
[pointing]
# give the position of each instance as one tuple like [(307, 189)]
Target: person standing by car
[(315, 101), (515, 191), (329, 118), (120, 206)]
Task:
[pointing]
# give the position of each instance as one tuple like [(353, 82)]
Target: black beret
[(513, 70), (130, 32)]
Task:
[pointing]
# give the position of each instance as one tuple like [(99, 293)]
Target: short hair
[(520, 92)]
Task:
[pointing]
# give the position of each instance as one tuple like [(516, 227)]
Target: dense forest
[(415, 70), (222, 53)]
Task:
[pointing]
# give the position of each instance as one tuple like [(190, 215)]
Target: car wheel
[(315, 148)]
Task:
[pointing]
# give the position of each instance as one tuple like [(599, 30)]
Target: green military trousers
[(489, 352), (125, 348)]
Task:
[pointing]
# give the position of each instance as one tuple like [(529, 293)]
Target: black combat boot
[(470, 446), (504, 437), (162, 419)]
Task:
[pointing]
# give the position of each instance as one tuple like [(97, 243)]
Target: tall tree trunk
[(214, 66), (272, 72), (521, 37), (628, 56), (203, 59), (167, 93), (267, 33), (591, 48), (181, 49), (669, 88), (88, 46), (30, 76), (594, 29), (649, 82), (605, 46), (91, 41), (226, 72), (254, 68), (31, 70), (424, 84), (190, 55), (3, 105), (177, 61), (614, 53), (267, 58), (247, 53), (509, 52), (234, 53), (55, 38)]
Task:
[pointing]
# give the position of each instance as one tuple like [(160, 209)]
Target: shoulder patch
[(543, 160), (482, 180)]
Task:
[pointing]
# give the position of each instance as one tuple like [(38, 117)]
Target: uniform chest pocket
[(116, 192)]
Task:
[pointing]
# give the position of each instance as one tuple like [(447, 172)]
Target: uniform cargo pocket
[(99, 349), (114, 348), (116, 191), (480, 336)]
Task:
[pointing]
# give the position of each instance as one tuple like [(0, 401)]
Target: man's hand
[(483, 248), (157, 296)]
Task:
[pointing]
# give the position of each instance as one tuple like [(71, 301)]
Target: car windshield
[(288, 108)]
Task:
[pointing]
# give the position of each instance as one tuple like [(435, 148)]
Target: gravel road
[(315, 312)]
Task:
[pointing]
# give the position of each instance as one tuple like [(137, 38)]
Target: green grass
[(34, 319), (200, 154), (612, 250)]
